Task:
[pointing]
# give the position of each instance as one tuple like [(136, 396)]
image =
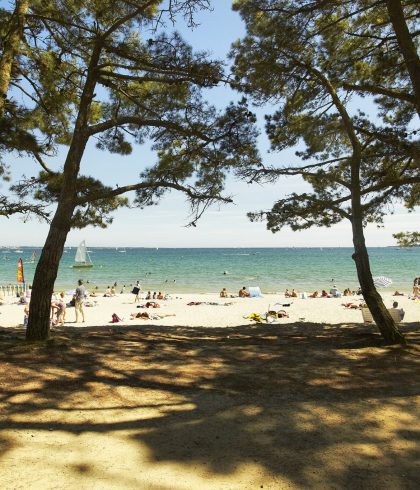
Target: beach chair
[(368, 318), (255, 292), (396, 316), (367, 315)]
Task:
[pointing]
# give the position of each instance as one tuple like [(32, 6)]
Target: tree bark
[(380, 314), (47, 268), (406, 45), (10, 48)]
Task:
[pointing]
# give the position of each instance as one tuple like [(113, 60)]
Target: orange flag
[(20, 277)]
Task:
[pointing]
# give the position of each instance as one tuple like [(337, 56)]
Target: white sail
[(81, 253)]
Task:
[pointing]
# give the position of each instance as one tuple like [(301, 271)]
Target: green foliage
[(317, 61), (147, 83), (91, 208), (407, 238)]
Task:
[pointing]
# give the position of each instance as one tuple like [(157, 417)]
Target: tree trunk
[(47, 268), (380, 314), (45, 275), (11, 46), (406, 45)]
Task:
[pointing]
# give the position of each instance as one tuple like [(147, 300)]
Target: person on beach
[(149, 295), (294, 293), (79, 297), (399, 311), (60, 307), (223, 293), (416, 287), (287, 294), (324, 294), (22, 299), (334, 291), (113, 290), (243, 293), (160, 295), (397, 293), (26, 316), (347, 292), (315, 294)]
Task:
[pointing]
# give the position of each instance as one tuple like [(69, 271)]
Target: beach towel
[(255, 292)]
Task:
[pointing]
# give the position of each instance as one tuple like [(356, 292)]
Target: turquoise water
[(201, 269)]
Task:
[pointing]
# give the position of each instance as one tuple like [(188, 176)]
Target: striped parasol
[(382, 282)]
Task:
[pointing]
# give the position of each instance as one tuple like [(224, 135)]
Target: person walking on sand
[(79, 297)]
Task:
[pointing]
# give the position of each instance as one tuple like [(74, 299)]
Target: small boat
[(82, 254), (33, 257), (123, 251)]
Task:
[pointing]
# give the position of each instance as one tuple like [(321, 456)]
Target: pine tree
[(109, 71), (313, 59)]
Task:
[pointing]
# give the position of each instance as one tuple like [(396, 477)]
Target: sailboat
[(80, 261), (32, 259)]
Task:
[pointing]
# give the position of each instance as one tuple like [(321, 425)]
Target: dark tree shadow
[(319, 406)]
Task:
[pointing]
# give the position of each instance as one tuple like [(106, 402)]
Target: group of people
[(243, 293), (155, 295), (334, 293)]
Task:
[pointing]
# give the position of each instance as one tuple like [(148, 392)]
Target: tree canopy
[(148, 84), (111, 72), (317, 61), (407, 238)]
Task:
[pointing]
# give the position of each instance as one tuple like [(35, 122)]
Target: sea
[(204, 270)]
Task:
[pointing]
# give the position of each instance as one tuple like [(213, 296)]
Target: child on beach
[(60, 307), (25, 316), (22, 299)]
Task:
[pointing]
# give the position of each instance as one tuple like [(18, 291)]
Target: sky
[(222, 226)]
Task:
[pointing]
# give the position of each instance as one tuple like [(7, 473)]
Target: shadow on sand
[(316, 406)]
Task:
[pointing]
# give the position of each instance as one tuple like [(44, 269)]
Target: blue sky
[(164, 225)]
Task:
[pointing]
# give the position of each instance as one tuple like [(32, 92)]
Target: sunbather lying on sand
[(350, 305)]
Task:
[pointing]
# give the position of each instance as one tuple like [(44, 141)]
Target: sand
[(209, 400), (226, 312)]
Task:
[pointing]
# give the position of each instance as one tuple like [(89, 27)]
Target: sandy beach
[(213, 311)]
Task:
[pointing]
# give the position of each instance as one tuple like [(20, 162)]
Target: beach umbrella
[(382, 282)]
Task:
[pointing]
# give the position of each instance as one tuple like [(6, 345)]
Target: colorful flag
[(20, 277)]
